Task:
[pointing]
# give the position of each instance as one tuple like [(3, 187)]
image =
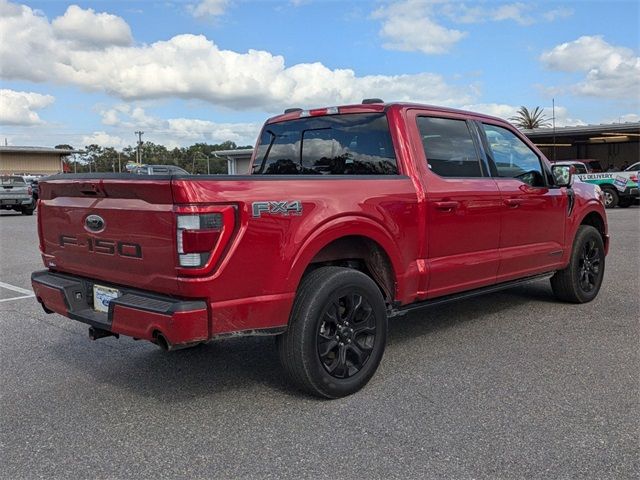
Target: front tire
[(337, 332), (580, 282)]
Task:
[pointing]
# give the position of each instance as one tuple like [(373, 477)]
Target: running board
[(397, 312)]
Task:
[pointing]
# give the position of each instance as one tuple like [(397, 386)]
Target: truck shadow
[(250, 365)]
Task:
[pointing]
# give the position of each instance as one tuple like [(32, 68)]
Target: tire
[(580, 282), (27, 210), (610, 197), (337, 332), (625, 202)]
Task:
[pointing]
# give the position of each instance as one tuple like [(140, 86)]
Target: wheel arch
[(596, 220), (356, 242)]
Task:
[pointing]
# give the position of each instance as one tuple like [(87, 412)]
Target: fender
[(345, 226), (581, 212)]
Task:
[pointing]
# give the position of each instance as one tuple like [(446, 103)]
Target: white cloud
[(193, 67), (88, 28), (18, 108), (521, 13), (409, 26), (208, 8), (104, 139), (610, 71), (506, 111), (557, 13), (176, 131), (513, 11), (627, 117)]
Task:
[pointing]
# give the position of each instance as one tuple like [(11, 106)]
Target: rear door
[(463, 204), (534, 212)]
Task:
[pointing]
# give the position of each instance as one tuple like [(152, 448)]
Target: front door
[(463, 207), (534, 212)]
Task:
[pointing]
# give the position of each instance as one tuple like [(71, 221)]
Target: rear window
[(353, 144), (9, 180)]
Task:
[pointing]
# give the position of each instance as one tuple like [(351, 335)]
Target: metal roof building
[(238, 161), (612, 144), (32, 160)]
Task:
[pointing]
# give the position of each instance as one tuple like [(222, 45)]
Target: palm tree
[(530, 119)]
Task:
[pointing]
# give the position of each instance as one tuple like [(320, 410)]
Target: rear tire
[(611, 197), (625, 202), (27, 210), (580, 282), (337, 332)]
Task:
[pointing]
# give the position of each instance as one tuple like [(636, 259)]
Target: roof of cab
[(381, 107)]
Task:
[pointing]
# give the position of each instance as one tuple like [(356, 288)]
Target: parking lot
[(509, 385)]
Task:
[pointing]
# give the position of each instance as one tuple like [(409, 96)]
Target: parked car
[(592, 165), (578, 167), (35, 187), (633, 168), (619, 188), (16, 194), (159, 170), (352, 214)]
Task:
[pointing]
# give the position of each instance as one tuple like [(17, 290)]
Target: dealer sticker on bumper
[(102, 296)]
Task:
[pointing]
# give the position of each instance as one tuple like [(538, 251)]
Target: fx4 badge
[(284, 207)]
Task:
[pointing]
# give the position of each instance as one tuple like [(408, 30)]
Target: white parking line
[(15, 298), (25, 293)]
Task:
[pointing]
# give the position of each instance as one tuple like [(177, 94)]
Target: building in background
[(33, 160), (238, 161), (612, 144)]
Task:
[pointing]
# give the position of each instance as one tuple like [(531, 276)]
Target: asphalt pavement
[(509, 385)]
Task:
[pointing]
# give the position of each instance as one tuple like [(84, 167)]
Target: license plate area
[(102, 296)]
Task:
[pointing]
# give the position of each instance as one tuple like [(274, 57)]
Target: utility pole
[(139, 155), (553, 102)]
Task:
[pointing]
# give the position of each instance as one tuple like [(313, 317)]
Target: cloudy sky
[(213, 70)]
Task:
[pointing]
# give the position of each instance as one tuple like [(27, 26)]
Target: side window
[(580, 168), (512, 157), (449, 147)]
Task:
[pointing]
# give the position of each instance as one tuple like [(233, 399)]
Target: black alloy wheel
[(346, 335), (581, 280), (589, 266), (337, 332)]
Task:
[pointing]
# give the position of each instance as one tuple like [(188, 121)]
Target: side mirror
[(562, 174)]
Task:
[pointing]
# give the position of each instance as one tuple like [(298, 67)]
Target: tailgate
[(119, 229)]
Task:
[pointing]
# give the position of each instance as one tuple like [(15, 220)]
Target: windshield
[(353, 144), (18, 181)]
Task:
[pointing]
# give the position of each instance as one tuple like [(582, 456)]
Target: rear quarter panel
[(255, 284)]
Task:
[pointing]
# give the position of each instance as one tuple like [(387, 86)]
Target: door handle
[(447, 206), (513, 202)]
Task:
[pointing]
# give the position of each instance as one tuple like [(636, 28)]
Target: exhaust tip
[(162, 342)]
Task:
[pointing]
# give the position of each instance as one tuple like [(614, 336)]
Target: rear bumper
[(16, 202), (135, 313)]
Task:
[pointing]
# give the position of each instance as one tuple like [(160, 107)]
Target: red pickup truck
[(351, 215)]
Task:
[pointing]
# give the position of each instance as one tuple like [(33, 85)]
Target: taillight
[(202, 236), (30, 190)]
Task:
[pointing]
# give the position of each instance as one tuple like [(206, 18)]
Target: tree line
[(196, 158)]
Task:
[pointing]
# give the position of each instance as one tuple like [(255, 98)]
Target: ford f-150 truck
[(16, 194), (350, 215)]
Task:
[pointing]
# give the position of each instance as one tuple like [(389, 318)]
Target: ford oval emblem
[(94, 223)]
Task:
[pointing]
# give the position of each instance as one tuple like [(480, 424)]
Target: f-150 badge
[(284, 207)]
